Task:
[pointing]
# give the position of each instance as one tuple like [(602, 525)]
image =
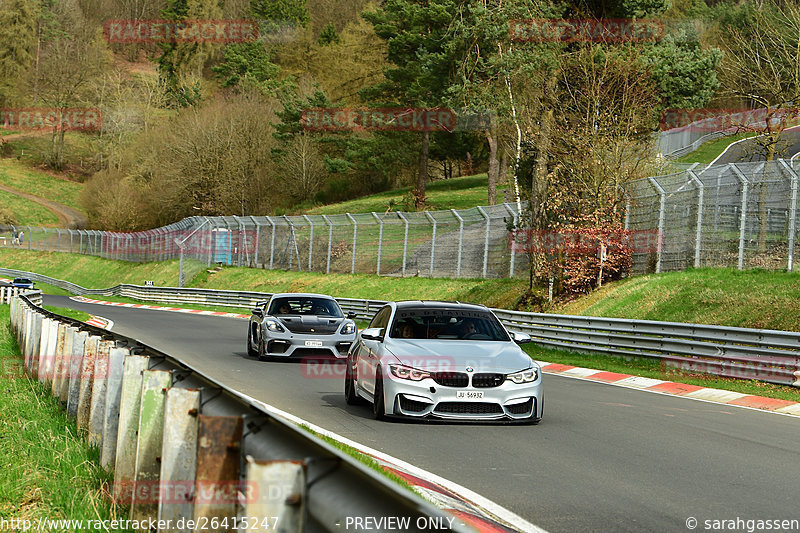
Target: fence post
[(405, 241), (355, 241), (513, 241), (380, 241), (743, 223), (292, 245), (486, 243), (433, 241), (271, 244), (70, 241), (700, 202), (460, 240), (30, 238), (330, 242), (258, 241), (310, 241), (661, 208), (792, 215)]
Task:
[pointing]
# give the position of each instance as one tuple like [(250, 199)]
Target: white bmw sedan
[(445, 360)]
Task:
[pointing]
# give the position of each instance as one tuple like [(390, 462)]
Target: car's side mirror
[(372, 334), (352, 314), (520, 338), (258, 312)]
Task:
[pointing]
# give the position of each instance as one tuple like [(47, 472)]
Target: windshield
[(22, 280), (449, 324), (304, 305)]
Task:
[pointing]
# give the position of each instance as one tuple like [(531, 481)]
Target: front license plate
[(469, 395), (313, 343)]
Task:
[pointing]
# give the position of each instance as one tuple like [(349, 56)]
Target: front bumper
[(428, 399), (287, 344)]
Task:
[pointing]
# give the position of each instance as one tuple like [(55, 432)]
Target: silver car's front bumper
[(288, 344), (428, 399)]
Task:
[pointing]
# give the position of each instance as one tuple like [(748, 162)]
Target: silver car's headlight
[(525, 376), (406, 372), (274, 325), (348, 329)]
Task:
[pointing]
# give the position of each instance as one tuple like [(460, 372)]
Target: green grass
[(365, 459), (98, 273), (727, 297), (493, 292), (70, 313), (456, 193), (652, 368), (89, 271), (28, 212), (34, 149), (47, 470), (18, 176), (709, 151)]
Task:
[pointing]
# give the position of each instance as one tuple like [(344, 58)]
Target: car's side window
[(381, 318)]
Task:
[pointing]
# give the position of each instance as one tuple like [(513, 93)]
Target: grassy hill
[(455, 193), (729, 297)]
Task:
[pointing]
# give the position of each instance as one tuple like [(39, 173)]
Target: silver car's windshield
[(446, 324), (304, 305)]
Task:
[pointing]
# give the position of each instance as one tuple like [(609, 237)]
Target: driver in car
[(467, 328)]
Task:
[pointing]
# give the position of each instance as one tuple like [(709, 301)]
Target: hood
[(305, 324), (454, 356)]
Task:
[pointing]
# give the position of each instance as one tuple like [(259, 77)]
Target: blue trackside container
[(221, 242)]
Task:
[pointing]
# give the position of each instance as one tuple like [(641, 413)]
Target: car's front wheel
[(350, 394), (378, 402), (250, 351)]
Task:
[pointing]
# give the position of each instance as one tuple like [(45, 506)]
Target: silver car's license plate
[(313, 343), (469, 395)]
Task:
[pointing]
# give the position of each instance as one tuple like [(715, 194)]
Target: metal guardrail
[(766, 355), (184, 446), (8, 293)]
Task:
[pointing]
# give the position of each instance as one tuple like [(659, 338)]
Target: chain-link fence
[(741, 215), (738, 215), (465, 243)]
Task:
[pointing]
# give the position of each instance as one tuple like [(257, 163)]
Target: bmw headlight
[(525, 376), (274, 325), (406, 372), (348, 329)]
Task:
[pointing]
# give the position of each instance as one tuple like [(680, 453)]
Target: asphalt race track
[(604, 458), (748, 150)]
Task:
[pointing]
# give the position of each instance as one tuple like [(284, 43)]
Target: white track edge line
[(501, 512)]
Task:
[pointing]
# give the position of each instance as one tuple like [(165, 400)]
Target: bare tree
[(302, 169), (761, 66)]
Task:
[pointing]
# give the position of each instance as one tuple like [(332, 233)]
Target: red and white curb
[(466, 506), (100, 322), (672, 388), (85, 300)]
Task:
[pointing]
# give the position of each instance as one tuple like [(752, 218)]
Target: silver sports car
[(300, 325), (443, 360)]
